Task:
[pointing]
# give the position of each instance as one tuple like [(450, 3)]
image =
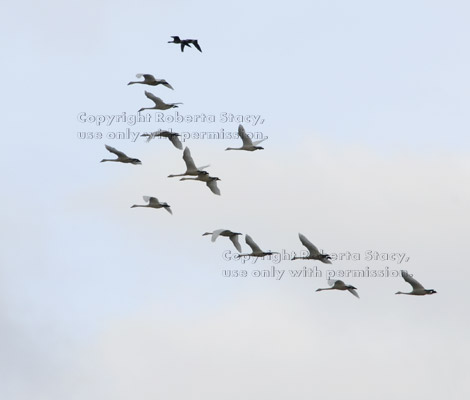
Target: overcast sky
[(365, 106)]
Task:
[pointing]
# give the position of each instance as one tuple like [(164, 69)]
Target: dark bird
[(340, 285), (172, 136), (185, 42), (314, 253)]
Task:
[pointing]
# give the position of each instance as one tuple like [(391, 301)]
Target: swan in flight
[(191, 168), (418, 289), (185, 42), (154, 203), (233, 236), (256, 251), (172, 136), (121, 157), (314, 254), (248, 144), (159, 103), (211, 181), (340, 285), (150, 80)]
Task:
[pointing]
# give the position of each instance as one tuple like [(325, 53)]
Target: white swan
[(121, 157), (185, 42), (172, 136), (159, 103), (256, 251), (314, 253), (211, 181), (418, 289), (154, 203), (248, 144), (233, 236), (150, 80), (191, 168), (339, 285)]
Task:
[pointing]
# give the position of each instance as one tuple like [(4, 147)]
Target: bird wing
[(245, 138), (259, 141), (165, 83), (176, 142), (175, 37), (168, 209), (413, 282), (250, 242), (216, 234), (157, 100), (147, 77), (236, 243), (196, 45), (309, 245), (117, 152), (332, 282), (212, 185), (353, 291), (190, 166), (183, 43), (153, 201)]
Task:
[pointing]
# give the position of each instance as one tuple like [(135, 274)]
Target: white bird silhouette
[(314, 253), (248, 144), (154, 203), (418, 289), (233, 236), (159, 103), (150, 80), (172, 136), (340, 285), (211, 181), (191, 168), (256, 251), (121, 157)]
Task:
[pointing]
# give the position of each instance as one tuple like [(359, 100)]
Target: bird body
[(185, 42), (172, 136), (150, 80), (153, 203), (256, 251), (248, 144), (339, 285), (159, 103), (211, 181), (314, 253), (418, 289), (233, 236), (191, 169), (121, 157)]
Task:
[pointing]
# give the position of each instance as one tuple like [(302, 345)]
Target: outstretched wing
[(157, 100), (216, 234), (249, 241), (332, 282), (212, 185), (117, 152), (168, 209), (413, 282), (309, 245), (190, 166), (153, 201), (165, 83), (256, 143), (196, 45), (176, 142), (353, 291), (147, 77), (236, 243), (245, 138)]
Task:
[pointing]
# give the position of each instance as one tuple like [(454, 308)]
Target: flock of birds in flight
[(199, 174)]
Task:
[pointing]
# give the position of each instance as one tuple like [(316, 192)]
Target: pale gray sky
[(365, 105)]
